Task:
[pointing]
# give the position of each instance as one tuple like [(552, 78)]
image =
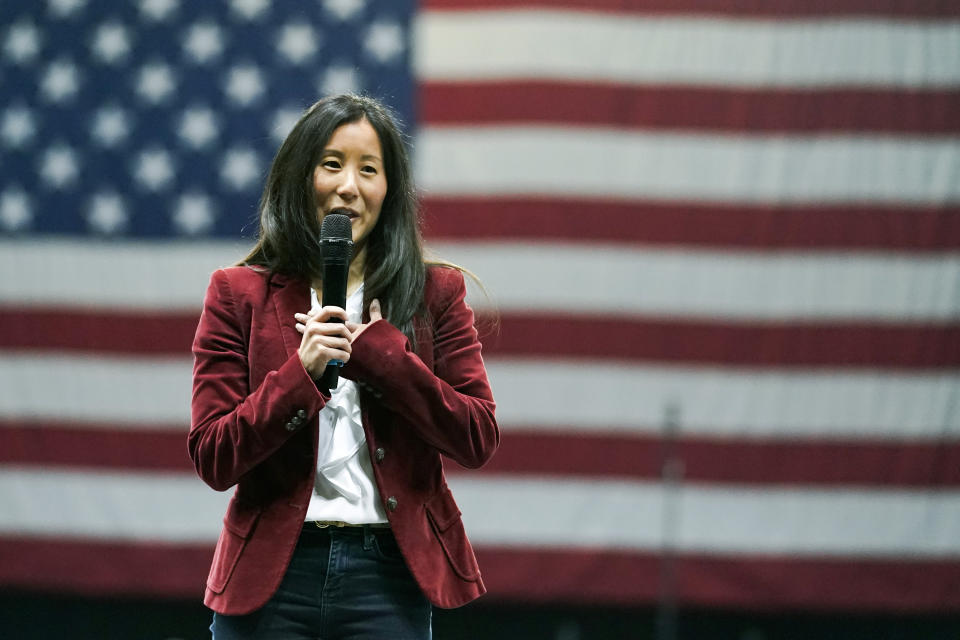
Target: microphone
[(336, 249)]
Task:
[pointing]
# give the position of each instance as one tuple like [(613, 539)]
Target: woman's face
[(350, 178)]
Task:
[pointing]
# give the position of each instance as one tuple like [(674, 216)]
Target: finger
[(328, 329), (342, 344), (375, 310), (339, 356), (340, 347), (300, 327), (321, 341), (327, 313)]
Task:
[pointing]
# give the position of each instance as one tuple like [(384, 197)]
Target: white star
[(111, 43), (154, 169), (16, 211), (283, 121), (63, 8), (158, 10), (60, 81), (204, 42), (384, 41), (17, 126), (297, 42), (155, 82), (193, 213), (58, 166), (249, 9), (240, 168), (107, 213), (244, 84), (110, 126), (198, 127), (343, 9), (339, 78), (22, 43)]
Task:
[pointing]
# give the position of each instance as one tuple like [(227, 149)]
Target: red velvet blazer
[(254, 426)]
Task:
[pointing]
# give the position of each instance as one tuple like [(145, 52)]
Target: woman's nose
[(348, 185)]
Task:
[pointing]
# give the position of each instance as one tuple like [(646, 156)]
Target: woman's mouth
[(346, 212)]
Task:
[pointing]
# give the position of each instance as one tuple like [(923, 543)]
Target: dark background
[(34, 615)]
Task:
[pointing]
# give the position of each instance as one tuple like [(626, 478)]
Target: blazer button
[(391, 503), (290, 426), (379, 454), (297, 420), (302, 414)]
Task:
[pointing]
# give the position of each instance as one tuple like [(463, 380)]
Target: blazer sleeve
[(450, 408), (234, 428)]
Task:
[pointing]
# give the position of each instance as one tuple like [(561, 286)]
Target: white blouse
[(344, 488)]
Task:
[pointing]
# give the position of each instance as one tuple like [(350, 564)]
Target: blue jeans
[(342, 584)]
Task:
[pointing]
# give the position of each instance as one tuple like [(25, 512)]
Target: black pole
[(671, 475)]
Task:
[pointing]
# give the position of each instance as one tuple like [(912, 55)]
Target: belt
[(339, 524)]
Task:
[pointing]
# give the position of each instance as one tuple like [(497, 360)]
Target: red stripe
[(694, 224), (728, 343), (607, 577), (548, 452), (756, 8), (691, 108), (648, 339), (146, 333), (121, 447), (731, 461), (121, 568), (529, 575)]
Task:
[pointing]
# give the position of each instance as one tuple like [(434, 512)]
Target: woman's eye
[(370, 170), (331, 164)]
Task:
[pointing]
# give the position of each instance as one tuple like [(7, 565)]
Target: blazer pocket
[(237, 526), (444, 516)]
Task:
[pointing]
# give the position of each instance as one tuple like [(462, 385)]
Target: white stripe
[(583, 397), (563, 278), (606, 163), (557, 395), (133, 392), (612, 280), (128, 275), (523, 512), (160, 507), (490, 45)]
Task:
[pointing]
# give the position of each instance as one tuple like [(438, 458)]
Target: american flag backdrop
[(722, 237)]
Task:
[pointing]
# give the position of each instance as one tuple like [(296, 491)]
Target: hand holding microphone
[(326, 339), (321, 341), (324, 342)]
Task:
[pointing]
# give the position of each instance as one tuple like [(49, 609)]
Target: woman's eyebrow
[(340, 154)]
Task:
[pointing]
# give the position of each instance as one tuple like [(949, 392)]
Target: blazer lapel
[(291, 296)]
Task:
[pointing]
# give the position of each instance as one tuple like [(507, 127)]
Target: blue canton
[(159, 118)]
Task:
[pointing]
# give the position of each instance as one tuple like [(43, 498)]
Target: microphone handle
[(331, 374), (334, 294)]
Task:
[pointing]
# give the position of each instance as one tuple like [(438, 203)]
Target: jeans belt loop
[(368, 537)]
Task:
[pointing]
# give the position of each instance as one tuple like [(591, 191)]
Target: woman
[(341, 525)]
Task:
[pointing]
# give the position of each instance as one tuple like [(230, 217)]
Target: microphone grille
[(336, 226)]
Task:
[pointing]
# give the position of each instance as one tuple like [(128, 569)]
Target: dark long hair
[(288, 240)]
